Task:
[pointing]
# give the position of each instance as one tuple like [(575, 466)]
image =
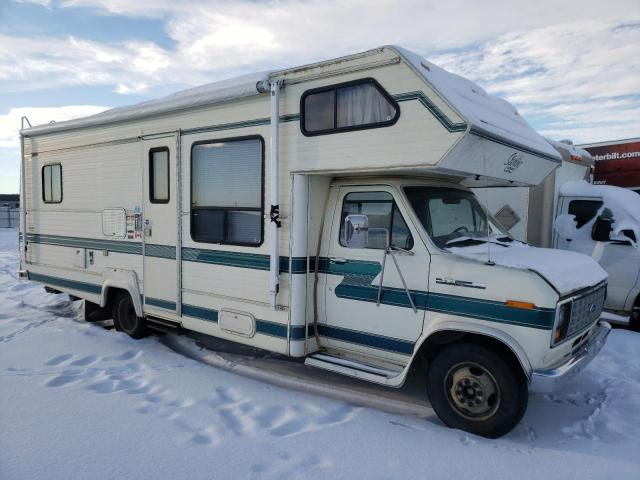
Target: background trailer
[(617, 163)]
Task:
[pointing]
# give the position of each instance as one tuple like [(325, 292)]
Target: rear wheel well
[(445, 338), (111, 294)]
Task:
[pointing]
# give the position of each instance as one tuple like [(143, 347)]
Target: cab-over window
[(347, 106)]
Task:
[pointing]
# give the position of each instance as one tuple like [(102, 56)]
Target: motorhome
[(603, 221), (321, 212)]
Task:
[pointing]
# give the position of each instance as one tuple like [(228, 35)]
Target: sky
[(571, 67)]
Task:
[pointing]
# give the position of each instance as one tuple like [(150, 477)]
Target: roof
[(486, 115), (209, 94)]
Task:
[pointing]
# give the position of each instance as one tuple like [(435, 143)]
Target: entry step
[(352, 368), (162, 324)]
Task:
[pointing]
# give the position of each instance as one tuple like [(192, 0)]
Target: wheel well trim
[(127, 280), (503, 337)]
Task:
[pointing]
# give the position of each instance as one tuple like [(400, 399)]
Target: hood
[(566, 271)]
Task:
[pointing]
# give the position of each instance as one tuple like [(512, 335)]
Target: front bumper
[(556, 378)]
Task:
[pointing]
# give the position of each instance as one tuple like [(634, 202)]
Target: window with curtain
[(159, 175), (348, 106), (227, 191), (52, 183)]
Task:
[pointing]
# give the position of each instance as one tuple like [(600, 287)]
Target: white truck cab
[(451, 273), (603, 222)]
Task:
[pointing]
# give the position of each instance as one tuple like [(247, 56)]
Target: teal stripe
[(253, 261), (200, 313), (160, 251), (379, 342), (433, 108), (65, 283), (478, 132), (242, 124), (357, 285), (215, 257), (91, 243), (264, 327), (157, 302)]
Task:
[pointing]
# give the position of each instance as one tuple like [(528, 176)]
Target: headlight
[(563, 318)]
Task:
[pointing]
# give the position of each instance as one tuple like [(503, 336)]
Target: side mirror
[(356, 231), (601, 230)]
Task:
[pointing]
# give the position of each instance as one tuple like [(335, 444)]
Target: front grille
[(586, 309)]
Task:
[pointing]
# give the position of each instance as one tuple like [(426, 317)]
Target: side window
[(159, 175), (227, 191), (52, 183), (382, 212), (584, 210), (346, 107)]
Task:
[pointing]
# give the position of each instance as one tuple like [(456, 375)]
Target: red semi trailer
[(616, 163)]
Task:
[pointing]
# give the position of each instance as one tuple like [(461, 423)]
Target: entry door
[(352, 321), (160, 225)]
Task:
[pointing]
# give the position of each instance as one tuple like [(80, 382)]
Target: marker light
[(519, 304)]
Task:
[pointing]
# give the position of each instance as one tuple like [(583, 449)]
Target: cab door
[(352, 320), (160, 225)]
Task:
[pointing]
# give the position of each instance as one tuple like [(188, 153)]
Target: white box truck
[(314, 212), (603, 221)]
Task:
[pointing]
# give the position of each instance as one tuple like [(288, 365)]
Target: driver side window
[(382, 212)]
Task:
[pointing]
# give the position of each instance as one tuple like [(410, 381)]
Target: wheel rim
[(472, 391), (129, 320)]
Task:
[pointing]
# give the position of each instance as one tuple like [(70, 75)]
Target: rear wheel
[(634, 321), (125, 318), (472, 388)]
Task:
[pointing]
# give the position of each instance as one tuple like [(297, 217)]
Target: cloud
[(579, 79), (10, 122), (43, 3), (215, 39), (542, 56)]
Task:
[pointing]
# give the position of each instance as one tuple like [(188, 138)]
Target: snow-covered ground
[(78, 401)]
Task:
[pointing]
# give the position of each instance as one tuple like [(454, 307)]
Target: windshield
[(453, 217)]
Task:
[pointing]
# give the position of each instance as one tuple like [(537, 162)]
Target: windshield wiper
[(502, 241)]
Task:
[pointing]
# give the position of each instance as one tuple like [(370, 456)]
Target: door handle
[(337, 260)]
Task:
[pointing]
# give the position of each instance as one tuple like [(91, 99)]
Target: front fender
[(495, 333)]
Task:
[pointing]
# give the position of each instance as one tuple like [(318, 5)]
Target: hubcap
[(472, 391)]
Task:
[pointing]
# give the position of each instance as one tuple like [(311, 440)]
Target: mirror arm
[(388, 250)]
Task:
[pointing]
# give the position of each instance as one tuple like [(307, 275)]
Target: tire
[(634, 321), (125, 318), (473, 389)]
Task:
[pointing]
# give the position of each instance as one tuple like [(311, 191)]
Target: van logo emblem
[(593, 308), (513, 162)]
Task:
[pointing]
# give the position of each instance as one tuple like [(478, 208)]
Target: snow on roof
[(208, 94), (570, 153), (485, 112)]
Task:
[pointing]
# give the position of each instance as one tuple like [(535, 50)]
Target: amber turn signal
[(519, 304)]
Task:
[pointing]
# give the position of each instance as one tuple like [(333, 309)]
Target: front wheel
[(125, 318), (473, 389)]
